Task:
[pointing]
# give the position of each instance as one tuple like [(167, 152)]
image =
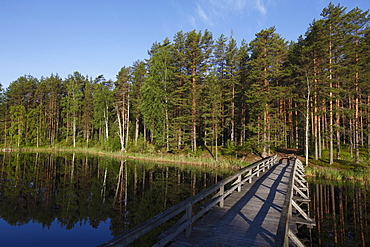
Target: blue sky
[(94, 37)]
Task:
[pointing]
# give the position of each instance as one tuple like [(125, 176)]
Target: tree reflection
[(341, 214), (75, 189)]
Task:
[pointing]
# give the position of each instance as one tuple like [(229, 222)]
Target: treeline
[(196, 92)]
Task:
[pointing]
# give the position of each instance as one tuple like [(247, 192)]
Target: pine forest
[(199, 92)]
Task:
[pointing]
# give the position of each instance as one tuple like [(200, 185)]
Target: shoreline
[(162, 158), (313, 170)]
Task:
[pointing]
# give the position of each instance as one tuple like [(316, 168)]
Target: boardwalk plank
[(249, 217)]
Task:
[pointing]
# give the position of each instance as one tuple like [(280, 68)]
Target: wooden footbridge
[(260, 205)]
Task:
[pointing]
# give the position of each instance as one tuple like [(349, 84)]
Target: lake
[(69, 199), (342, 214)]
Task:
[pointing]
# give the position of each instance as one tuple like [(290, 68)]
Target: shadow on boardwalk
[(249, 218)]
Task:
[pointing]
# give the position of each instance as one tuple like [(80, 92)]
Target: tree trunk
[(368, 122), (120, 130), (127, 119), (337, 124), (232, 138), (357, 136), (193, 109), (144, 134), (106, 123), (307, 119), (319, 133), (331, 144), (316, 139), (216, 143), (167, 130), (74, 129), (136, 130)]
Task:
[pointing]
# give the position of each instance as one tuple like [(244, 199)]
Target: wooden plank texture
[(248, 218)]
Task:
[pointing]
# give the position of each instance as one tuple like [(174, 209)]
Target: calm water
[(79, 200), (342, 214)]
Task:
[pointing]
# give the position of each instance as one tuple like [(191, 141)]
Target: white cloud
[(239, 5), (228, 5), (260, 6), (192, 21), (201, 13), (212, 12)]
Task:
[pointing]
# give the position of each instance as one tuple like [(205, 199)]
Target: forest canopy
[(200, 92)]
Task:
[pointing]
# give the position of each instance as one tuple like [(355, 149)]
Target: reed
[(187, 159), (357, 174)]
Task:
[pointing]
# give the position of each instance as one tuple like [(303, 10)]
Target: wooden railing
[(297, 194), (185, 222)]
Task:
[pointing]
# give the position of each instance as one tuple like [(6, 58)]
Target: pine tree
[(315, 51), (266, 68), (365, 65), (122, 103), (219, 57), (72, 104), (103, 99), (87, 114), (231, 56), (241, 74), (20, 97), (211, 109), (52, 91), (333, 29), (155, 94), (3, 117), (356, 23), (37, 115), (180, 122), (138, 77), (197, 54)]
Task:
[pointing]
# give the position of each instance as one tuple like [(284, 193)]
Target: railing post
[(189, 211), (222, 191), (239, 183), (258, 170)]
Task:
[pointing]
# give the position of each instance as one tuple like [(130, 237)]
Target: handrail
[(284, 233), (286, 212), (185, 222)]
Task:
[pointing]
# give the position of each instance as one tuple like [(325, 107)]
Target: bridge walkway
[(248, 218)]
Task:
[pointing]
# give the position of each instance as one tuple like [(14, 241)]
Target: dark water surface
[(342, 214), (78, 200)]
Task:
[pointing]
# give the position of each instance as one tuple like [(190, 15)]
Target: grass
[(202, 160), (344, 169)]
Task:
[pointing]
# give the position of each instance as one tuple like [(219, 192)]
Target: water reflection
[(341, 212), (70, 190)]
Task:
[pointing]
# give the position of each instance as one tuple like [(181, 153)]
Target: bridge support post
[(189, 211), (222, 191)]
